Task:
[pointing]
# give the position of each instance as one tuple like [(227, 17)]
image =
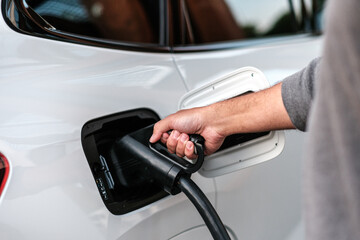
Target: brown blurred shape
[(123, 20), (213, 21)]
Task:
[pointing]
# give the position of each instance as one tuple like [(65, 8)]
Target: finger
[(172, 141), (180, 147), (164, 138), (189, 150), (159, 128)]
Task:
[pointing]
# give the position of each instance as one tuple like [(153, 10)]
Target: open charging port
[(119, 195)]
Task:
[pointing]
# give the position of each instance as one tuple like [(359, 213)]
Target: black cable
[(204, 207)]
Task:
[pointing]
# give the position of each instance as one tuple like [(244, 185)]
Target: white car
[(75, 71)]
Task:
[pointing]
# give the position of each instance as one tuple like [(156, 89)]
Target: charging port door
[(239, 150)]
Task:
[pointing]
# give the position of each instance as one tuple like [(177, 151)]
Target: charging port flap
[(239, 150)]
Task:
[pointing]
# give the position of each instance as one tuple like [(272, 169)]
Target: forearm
[(255, 112)]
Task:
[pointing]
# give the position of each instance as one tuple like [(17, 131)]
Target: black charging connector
[(204, 207), (156, 162), (133, 152)]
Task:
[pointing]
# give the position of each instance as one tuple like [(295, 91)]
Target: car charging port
[(118, 193)]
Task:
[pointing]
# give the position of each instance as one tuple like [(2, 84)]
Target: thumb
[(155, 137)]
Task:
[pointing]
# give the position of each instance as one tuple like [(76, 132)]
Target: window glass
[(206, 21), (319, 18), (260, 18), (121, 20)]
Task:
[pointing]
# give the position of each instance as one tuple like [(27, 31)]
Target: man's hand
[(182, 123)]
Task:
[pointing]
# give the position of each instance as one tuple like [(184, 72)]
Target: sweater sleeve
[(297, 93)]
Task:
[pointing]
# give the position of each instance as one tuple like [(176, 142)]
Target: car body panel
[(277, 59), (49, 89)]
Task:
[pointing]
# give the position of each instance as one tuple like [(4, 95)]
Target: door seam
[(187, 88)]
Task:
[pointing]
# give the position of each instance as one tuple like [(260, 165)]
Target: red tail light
[(4, 172)]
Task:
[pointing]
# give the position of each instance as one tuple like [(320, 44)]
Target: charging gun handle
[(199, 142)]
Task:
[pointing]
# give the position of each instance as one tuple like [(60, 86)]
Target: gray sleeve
[(297, 93)]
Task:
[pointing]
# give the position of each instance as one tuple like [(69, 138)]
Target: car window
[(122, 20), (210, 21)]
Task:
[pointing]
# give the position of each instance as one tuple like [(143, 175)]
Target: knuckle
[(171, 144)]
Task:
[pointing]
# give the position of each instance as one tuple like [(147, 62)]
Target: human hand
[(184, 122)]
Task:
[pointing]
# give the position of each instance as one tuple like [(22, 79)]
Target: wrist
[(232, 116), (218, 119)]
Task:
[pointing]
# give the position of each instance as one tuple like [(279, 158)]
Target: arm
[(283, 106), (255, 112)]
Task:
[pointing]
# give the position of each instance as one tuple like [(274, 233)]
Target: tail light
[(4, 172)]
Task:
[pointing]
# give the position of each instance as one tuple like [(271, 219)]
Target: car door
[(60, 72), (219, 39)]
